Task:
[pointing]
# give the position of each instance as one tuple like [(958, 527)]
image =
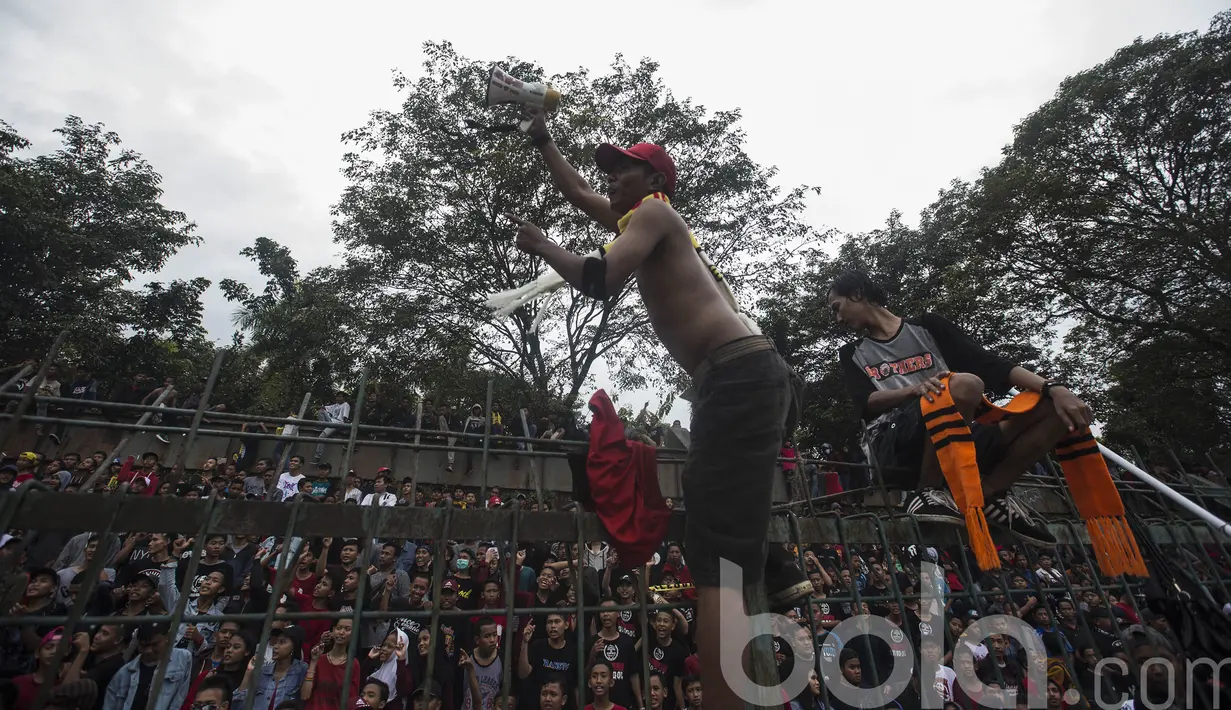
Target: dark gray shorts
[(898, 446), (747, 404)]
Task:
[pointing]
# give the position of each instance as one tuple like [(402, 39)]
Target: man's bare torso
[(686, 307)]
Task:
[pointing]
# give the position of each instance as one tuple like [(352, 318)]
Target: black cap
[(44, 572), (432, 689), (148, 632), (294, 633)]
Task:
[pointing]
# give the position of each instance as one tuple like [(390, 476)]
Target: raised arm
[(565, 177), (603, 278)]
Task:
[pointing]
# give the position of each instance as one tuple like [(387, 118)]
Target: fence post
[(289, 451), (538, 483), (414, 461), (106, 464), (191, 437), (487, 437), (354, 422)]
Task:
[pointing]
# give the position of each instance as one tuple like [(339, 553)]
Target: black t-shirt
[(101, 672), (545, 660), (467, 593), (140, 554), (669, 661), (1011, 674), (144, 681), (412, 627), (204, 569), (625, 666), (453, 632), (629, 625), (690, 615)]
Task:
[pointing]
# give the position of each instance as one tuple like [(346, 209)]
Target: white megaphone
[(504, 88)]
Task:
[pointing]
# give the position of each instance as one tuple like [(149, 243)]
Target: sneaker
[(1013, 515), (163, 438), (935, 505), (449, 468), (54, 439), (785, 583)]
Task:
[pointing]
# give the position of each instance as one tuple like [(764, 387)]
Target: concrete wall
[(505, 469)]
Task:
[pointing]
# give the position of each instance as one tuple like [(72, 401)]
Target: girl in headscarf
[(393, 670)]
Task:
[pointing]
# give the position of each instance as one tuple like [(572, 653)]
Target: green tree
[(1112, 203), (169, 338), (298, 332), (78, 225), (424, 241)]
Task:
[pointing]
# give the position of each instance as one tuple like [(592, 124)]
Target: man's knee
[(966, 390)]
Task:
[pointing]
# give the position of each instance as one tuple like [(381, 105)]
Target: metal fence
[(870, 523)]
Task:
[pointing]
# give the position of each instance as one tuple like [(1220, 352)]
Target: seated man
[(900, 362)]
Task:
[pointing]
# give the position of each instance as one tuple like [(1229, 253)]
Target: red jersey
[(303, 589), (327, 686)]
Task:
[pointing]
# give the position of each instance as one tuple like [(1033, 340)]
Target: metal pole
[(538, 483), (361, 591), (438, 573), (177, 616), (580, 585), (285, 563), (510, 597), (27, 398), (354, 423), (92, 573), (487, 436), (106, 464), (803, 481), (1210, 519), (289, 450), (201, 407), (414, 465)]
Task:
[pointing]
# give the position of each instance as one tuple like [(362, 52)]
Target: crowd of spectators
[(112, 666), (1077, 617)]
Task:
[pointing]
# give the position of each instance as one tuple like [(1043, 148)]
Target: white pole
[(1212, 520)]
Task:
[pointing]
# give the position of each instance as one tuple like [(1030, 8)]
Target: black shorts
[(747, 403), (898, 446)]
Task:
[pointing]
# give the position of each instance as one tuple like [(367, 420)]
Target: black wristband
[(540, 140), (1046, 391)]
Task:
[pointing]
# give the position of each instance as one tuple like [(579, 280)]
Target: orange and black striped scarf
[(1085, 472)]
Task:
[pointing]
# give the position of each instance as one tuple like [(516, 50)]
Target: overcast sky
[(241, 105)]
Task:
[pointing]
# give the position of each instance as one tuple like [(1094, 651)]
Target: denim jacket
[(271, 692), (122, 689), (169, 592)]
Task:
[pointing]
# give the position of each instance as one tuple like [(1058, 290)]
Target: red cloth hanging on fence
[(620, 484)]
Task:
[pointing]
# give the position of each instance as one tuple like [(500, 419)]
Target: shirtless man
[(747, 399)]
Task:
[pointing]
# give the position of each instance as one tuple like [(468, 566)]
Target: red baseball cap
[(606, 156)]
